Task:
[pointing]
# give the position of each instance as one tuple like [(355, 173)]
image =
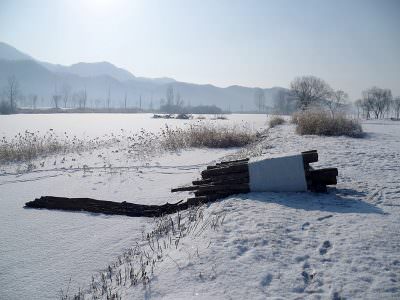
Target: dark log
[(185, 188), (231, 176), (233, 161), (227, 164), (239, 168), (309, 157), (327, 180), (221, 192), (202, 181), (323, 172), (224, 180), (221, 187), (106, 207)]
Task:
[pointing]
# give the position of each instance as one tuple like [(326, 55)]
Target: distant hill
[(10, 53), (103, 78)]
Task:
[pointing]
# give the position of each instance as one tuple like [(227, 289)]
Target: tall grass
[(30, 145), (206, 136), (136, 266), (27, 146), (318, 122)]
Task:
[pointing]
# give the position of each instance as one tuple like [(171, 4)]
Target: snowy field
[(344, 244)]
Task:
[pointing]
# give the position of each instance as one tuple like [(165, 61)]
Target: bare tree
[(396, 107), (82, 98), (310, 90), (358, 105), (56, 98), (12, 92), (33, 100), (259, 99), (336, 102), (179, 100), (367, 103), (108, 97), (284, 102), (377, 100), (170, 95), (65, 92)]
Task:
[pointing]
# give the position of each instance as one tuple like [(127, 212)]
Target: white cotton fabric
[(277, 174)]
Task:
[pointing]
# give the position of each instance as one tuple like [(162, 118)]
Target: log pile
[(232, 177), (217, 181)]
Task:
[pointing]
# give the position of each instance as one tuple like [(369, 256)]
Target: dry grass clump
[(206, 136), (275, 121), (29, 145), (319, 122), (135, 267)]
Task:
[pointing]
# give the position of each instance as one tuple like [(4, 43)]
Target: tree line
[(309, 92)]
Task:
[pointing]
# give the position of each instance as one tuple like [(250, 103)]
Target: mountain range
[(103, 80)]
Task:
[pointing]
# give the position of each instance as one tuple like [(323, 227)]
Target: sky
[(351, 44)]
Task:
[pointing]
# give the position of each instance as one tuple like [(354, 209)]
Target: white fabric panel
[(277, 174)]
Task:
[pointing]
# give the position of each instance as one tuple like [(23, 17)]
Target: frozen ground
[(41, 250), (256, 246)]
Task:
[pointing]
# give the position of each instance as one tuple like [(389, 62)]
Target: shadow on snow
[(336, 200)]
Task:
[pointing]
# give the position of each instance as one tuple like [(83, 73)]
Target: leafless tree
[(259, 99), (12, 92), (33, 100), (358, 105), (179, 100), (367, 103), (108, 97), (378, 100), (336, 102), (82, 98), (56, 98), (396, 107), (170, 95), (310, 90), (284, 102), (65, 92)]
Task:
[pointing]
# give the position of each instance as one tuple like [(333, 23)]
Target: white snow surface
[(344, 244), (283, 173)]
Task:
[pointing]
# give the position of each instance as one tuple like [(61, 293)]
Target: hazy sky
[(351, 44)]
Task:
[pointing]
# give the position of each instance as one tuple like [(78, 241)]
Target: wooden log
[(309, 157), (185, 188), (236, 187), (327, 180), (106, 207), (239, 168), (323, 172), (223, 180), (224, 193), (233, 161), (230, 176), (227, 164)]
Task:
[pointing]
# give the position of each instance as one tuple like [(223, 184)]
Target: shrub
[(206, 136), (275, 121), (321, 123)]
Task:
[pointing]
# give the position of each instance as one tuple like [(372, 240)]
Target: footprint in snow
[(305, 225), (266, 281), (325, 247)]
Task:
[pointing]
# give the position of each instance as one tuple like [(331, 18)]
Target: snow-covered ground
[(41, 250), (260, 245)]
